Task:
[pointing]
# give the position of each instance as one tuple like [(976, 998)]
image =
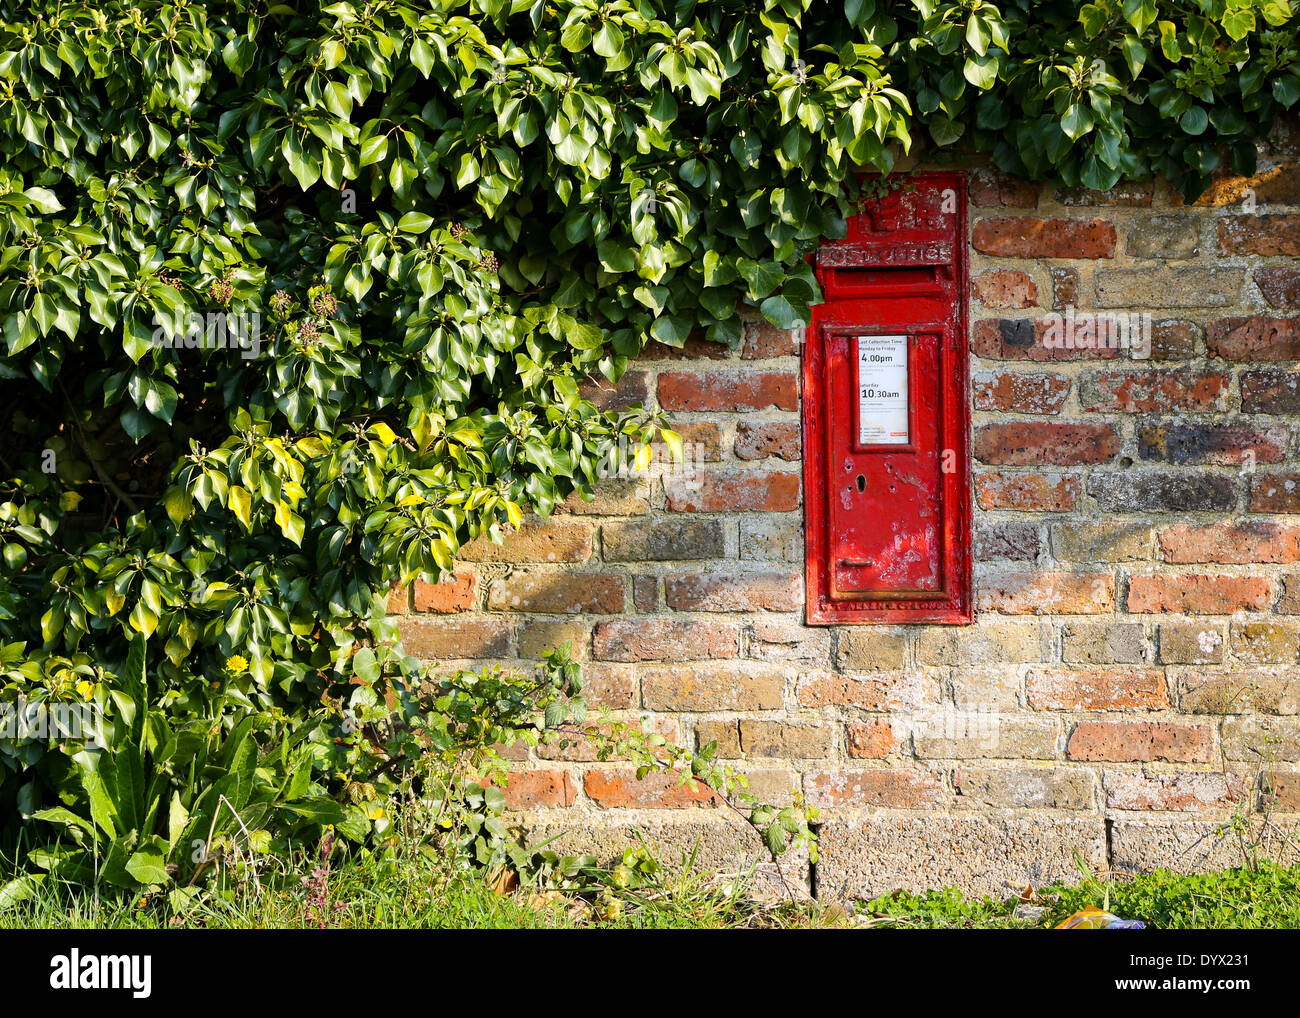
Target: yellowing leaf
[(289, 522), (142, 620), (241, 504)]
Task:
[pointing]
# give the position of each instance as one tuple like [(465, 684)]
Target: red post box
[(886, 420)]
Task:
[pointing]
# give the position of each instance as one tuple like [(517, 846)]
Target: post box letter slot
[(914, 280)]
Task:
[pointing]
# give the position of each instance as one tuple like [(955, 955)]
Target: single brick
[(756, 440), (1021, 393), (1141, 742), (1034, 443), (455, 638), (1216, 443), (1028, 492), (610, 685), (558, 593), (1191, 643), (631, 390), (988, 687), (1004, 288), (533, 788), (980, 735), (989, 642), (620, 788), (1048, 593), (1270, 392), (898, 691), (728, 390), (554, 540), (990, 188), (1280, 790), (1255, 690), (1031, 237), (764, 340), (1275, 493), (1289, 602), (785, 740), (1026, 787), (1186, 792), (1018, 542), (1265, 642), (713, 686), (777, 592), (663, 540), (871, 650), (1149, 392), (1106, 541), (725, 733), (539, 636), (1261, 740), (1261, 235), (645, 593), (702, 439), (870, 740), (1254, 339), (1128, 690), (775, 538), (1280, 287), (612, 497), (1162, 492), (1237, 541), (456, 592), (664, 640), (1180, 287), (782, 640), (398, 600), (1053, 337), (1103, 643), (893, 788), (1163, 237), (1172, 340), (1065, 287), (734, 491), (1198, 595)]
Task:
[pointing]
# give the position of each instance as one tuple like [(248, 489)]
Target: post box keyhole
[(862, 483)]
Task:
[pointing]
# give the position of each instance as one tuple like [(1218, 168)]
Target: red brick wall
[(1133, 677)]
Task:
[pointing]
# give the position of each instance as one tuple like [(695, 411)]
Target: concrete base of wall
[(710, 847), (862, 857)]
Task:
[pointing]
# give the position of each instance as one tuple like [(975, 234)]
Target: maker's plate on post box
[(886, 420)]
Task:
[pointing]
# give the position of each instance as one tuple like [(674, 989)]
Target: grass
[(416, 892), (1267, 897)]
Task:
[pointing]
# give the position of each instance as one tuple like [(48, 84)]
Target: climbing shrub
[(297, 298)]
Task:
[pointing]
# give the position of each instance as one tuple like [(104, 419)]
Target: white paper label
[(882, 390)]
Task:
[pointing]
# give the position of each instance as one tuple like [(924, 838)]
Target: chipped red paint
[(888, 525)]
